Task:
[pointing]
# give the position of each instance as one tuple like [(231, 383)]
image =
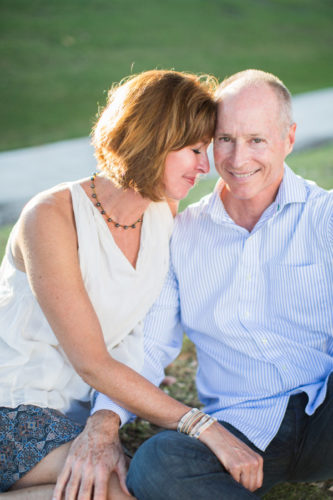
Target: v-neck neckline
[(106, 228)]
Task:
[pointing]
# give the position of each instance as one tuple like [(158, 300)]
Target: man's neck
[(246, 213)]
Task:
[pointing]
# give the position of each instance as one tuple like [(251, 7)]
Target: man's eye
[(224, 139), (196, 151), (257, 140)]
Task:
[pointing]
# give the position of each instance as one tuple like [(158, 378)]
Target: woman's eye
[(196, 151), (224, 139), (257, 140)]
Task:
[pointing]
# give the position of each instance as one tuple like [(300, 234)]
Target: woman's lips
[(191, 180)]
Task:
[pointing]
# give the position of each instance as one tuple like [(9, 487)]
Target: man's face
[(251, 143)]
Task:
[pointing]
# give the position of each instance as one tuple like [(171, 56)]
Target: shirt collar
[(292, 190), (215, 207)]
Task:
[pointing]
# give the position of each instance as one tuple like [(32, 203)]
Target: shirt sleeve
[(163, 336), (330, 222)]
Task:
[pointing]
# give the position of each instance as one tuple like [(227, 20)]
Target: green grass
[(4, 233), (59, 57), (315, 164)]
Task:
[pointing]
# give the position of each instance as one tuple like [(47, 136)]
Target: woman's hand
[(242, 463), (93, 456)]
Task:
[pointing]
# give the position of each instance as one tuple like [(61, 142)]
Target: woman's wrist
[(104, 421), (194, 423)]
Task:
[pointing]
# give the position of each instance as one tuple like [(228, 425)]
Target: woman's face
[(182, 168)]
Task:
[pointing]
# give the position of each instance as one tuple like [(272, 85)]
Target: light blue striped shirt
[(258, 307)]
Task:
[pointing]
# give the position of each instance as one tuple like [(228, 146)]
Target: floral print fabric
[(27, 434)]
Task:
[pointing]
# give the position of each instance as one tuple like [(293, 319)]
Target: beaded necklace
[(101, 209)]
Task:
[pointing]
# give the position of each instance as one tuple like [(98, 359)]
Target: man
[(251, 284)]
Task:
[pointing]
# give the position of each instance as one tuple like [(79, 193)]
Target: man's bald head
[(257, 78)]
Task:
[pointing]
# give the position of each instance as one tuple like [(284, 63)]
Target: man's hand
[(242, 463), (94, 454)]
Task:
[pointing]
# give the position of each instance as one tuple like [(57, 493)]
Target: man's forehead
[(239, 90), (260, 100)]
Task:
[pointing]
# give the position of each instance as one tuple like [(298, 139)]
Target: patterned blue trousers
[(27, 434)]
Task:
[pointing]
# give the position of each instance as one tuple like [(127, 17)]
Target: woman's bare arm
[(48, 244)]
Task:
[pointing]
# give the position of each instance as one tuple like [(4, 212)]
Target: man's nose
[(238, 155)]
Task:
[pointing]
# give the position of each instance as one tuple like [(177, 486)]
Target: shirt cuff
[(102, 402)]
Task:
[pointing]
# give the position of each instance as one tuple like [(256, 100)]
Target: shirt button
[(249, 277), (264, 341), (247, 314)]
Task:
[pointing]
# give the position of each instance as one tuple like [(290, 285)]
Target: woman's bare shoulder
[(49, 214), (55, 202)]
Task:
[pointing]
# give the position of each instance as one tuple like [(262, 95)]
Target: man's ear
[(291, 138)]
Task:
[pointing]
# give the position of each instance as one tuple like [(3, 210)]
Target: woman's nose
[(203, 165)]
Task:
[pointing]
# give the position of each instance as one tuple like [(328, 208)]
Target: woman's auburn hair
[(147, 116)]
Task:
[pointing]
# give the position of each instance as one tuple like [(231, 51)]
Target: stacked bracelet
[(194, 422)]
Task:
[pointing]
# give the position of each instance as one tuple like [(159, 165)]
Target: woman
[(83, 265)]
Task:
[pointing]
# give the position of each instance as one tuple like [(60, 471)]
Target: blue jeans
[(174, 466)]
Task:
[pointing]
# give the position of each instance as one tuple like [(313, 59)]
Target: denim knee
[(172, 465), (164, 458)]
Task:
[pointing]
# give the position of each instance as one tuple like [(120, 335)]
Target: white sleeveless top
[(33, 367)]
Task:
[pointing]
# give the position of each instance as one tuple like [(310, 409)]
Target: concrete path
[(25, 172)]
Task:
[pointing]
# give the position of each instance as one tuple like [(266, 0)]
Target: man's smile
[(245, 174)]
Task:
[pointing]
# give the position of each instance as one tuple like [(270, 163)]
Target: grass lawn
[(316, 164), (58, 58), (4, 233)]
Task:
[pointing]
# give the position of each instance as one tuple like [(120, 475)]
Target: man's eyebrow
[(229, 134)]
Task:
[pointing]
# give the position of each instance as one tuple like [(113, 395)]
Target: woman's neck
[(124, 206)]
